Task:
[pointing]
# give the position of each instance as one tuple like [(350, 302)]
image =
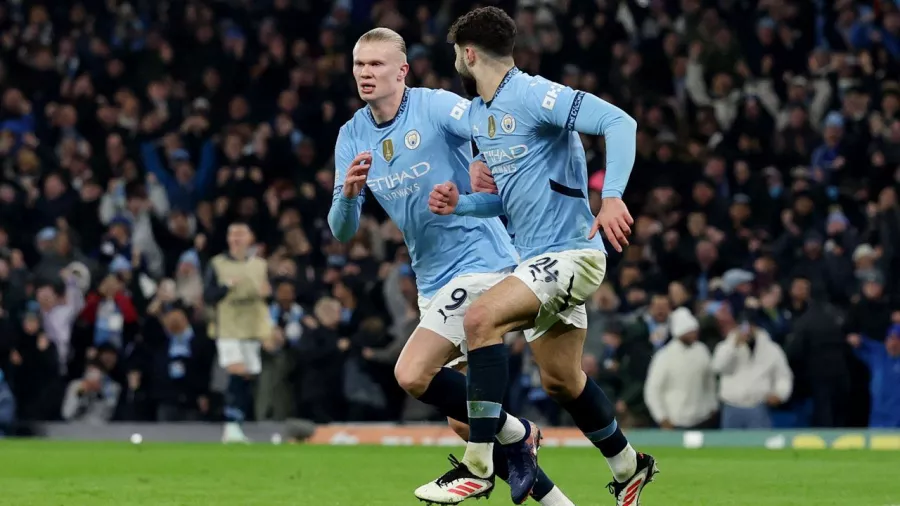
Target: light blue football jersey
[(528, 136), (427, 143)]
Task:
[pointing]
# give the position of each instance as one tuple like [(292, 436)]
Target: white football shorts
[(240, 351), (444, 312), (562, 281)]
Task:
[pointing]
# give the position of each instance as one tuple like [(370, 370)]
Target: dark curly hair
[(488, 28)]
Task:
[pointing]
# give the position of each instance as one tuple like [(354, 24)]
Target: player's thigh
[(558, 353), (507, 306), (422, 357), (440, 338)]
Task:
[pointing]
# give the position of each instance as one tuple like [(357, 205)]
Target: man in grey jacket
[(91, 399)]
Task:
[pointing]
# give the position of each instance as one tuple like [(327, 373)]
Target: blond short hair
[(384, 35)]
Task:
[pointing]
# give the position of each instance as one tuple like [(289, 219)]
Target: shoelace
[(456, 473), (612, 485)]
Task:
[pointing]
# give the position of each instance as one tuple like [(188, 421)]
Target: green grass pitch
[(43, 473)]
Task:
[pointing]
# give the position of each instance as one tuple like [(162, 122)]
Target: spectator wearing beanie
[(680, 390)]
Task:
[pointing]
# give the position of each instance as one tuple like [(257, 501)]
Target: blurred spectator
[(770, 313), (34, 369), (60, 306), (182, 358), (651, 325), (754, 376), (321, 357), (275, 390), (817, 351), (681, 387), (625, 366), (92, 398), (883, 360), (110, 312)]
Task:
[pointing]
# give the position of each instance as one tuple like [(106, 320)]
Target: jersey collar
[(391, 121), (509, 75)]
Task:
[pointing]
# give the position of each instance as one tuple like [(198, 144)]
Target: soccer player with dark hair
[(396, 149), (527, 129)]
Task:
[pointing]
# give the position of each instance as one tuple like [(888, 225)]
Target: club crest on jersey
[(387, 149), (492, 126), (412, 140), (508, 124)]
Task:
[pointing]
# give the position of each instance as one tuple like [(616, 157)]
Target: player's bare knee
[(460, 428), (413, 380), (238, 369), (560, 387), (478, 324)]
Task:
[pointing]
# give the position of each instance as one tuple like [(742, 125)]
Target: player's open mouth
[(367, 88)]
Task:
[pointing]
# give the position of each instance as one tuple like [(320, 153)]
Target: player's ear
[(404, 70), (470, 56)]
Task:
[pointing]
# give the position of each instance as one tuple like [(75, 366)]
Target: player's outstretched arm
[(349, 180), (445, 200)]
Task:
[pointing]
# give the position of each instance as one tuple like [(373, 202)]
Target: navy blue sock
[(595, 415), (487, 379), (447, 392), (238, 398), (542, 486), (501, 466)]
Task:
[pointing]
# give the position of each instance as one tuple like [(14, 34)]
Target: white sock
[(513, 431), (623, 465), (479, 458), (556, 498)]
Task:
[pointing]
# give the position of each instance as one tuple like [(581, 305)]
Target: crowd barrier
[(441, 435)]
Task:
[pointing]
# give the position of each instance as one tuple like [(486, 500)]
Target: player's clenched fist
[(480, 177), (615, 220), (357, 173), (443, 198)]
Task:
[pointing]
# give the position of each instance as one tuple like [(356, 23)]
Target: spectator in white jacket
[(680, 390), (754, 375)]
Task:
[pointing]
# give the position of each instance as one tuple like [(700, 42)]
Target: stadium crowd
[(761, 286)]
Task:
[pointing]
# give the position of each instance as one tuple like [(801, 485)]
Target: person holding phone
[(754, 376)]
